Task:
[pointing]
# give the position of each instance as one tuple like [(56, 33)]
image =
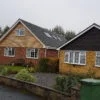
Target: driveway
[(8, 93)]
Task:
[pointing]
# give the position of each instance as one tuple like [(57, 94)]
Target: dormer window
[(20, 32)]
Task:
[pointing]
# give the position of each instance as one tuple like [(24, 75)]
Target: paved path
[(45, 79), (8, 93)]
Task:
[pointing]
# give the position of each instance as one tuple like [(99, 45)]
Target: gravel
[(45, 79)]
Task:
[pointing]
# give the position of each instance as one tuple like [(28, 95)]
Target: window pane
[(66, 57), (28, 53), (36, 53), (20, 32), (5, 51), (32, 53), (13, 51), (76, 60), (9, 51), (97, 60), (98, 54), (17, 32), (71, 57), (82, 57)]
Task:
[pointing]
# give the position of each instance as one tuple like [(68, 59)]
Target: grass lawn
[(10, 69)]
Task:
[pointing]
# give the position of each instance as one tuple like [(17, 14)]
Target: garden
[(46, 74)]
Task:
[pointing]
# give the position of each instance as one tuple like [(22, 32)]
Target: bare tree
[(58, 30)]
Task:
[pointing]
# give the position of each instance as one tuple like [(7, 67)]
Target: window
[(9, 52), (32, 53), (20, 32), (47, 34), (75, 57), (97, 58), (66, 58)]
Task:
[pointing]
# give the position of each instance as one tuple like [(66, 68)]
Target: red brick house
[(29, 42)]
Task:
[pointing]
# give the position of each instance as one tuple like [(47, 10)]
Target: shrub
[(60, 83), (43, 65), (65, 83), (31, 69), (3, 71), (24, 75), (48, 65)]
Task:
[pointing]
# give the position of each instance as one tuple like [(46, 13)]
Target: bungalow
[(82, 53), (29, 42)]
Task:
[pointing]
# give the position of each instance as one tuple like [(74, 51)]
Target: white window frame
[(96, 59), (6, 53), (73, 62), (66, 52), (19, 34), (30, 52)]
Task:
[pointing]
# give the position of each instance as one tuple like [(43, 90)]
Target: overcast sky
[(70, 14)]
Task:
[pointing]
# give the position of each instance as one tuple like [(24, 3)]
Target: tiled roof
[(45, 36)]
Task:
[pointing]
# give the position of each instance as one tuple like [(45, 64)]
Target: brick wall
[(20, 53), (90, 65), (51, 53)]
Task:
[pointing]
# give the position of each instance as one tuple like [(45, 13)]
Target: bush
[(24, 75), (14, 69), (31, 69), (3, 71), (60, 83), (43, 65), (65, 83), (48, 65)]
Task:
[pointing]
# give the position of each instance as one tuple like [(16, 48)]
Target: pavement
[(9, 93)]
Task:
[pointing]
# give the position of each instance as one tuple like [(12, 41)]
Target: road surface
[(9, 93)]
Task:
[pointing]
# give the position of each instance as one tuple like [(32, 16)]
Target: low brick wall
[(45, 93)]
